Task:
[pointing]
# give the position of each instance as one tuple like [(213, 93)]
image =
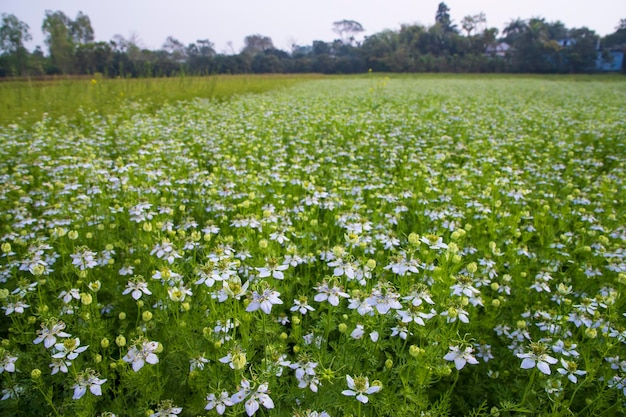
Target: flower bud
[(104, 343), (120, 341), (415, 351), (85, 299), (146, 316), (35, 373), (414, 239)]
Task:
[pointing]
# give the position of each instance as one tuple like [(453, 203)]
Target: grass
[(26, 101)]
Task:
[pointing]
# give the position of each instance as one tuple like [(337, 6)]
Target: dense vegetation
[(365, 246), (532, 46)]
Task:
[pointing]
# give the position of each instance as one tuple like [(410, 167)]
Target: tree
[(13, 34), (514, 29), (175, 49), (473, 22), (81, 29), (442, 17), (347, 30), (57, 27), (254, 44), (581, 53)]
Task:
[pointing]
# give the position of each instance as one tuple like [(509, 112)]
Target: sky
[(227, 22)]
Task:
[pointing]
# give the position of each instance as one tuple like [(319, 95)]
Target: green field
[(26, 101), (366, 246)]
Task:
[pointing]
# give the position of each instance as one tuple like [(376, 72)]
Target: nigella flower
[(384, 298), (87, 379), (414, 314), (67, 296), (7, 363), (14, 391), (264, 301), (167, 409), (197, 363), (59, 365), (302, 305), (258, 398), (220, 403), (325, 293), (165, 250), (360, 387), (571, 370), (537, 357), (459, 357), (16, 307), (136, 287), (138, 355), (236, 358), (273, 269), (49, 332), (84, 259), (69, 349)]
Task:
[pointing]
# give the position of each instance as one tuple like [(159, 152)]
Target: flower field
[(359, 246)]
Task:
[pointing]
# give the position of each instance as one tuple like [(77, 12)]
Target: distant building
[(500, 49), (610, 61)]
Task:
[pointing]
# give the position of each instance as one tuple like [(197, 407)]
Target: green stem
[(533, 376), (48, 398)]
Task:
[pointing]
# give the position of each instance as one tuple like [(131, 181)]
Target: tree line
[(525, 45)]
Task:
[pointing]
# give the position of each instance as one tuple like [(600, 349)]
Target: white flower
[(87, 379), (260, 397), (145, 353), (236, 358), (461, 358), (243, 392), (358, 332), (302, 305), (264, 301), (197, 363), (167, 409), (220, 403), (137, 288), (69, 349), (571, 370), (59, 365), (537, 357), (273, 269), (329, 294), (84, 259), (303, 368), (12, 392), (360, 387), (48, 333), (68, 295), (165, 250), (16, 307), (8, 363)]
